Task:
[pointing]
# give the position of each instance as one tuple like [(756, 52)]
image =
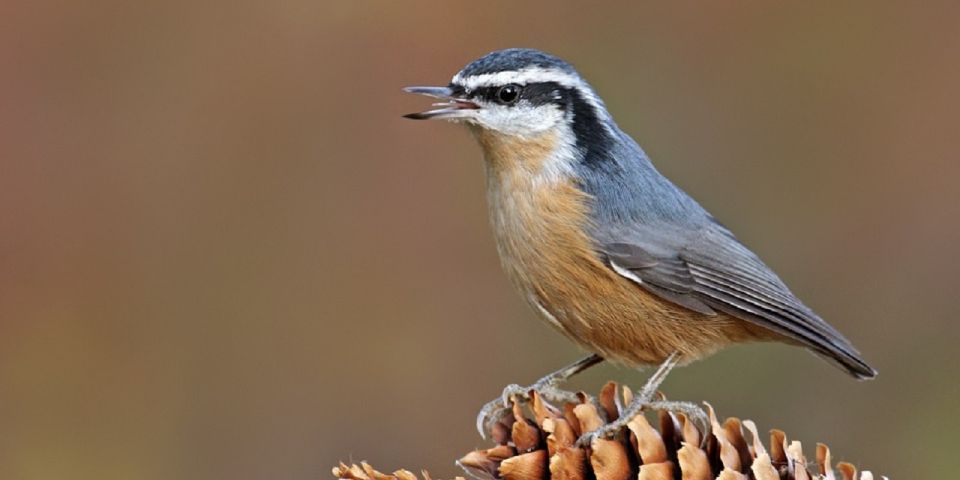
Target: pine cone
[(537, 441)]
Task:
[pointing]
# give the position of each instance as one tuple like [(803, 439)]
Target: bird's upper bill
[(451, 106)]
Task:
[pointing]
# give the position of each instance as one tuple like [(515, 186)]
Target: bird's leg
[(644, 398), (546, 387)]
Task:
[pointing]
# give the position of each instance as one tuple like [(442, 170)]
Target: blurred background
[(223, 254)]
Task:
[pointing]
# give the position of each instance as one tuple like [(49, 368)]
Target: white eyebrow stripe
[(527, 75)]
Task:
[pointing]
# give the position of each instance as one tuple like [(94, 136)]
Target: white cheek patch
[(523, 120)]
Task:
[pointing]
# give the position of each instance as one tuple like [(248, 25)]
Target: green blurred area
[(223, 254)]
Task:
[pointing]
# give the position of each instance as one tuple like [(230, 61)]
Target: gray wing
[(708, 271)]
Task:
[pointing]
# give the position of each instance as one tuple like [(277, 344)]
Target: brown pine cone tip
[(537, 441)]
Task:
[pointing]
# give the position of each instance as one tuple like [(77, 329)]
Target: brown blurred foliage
[(223, 254)]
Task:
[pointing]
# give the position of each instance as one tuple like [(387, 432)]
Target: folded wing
[(709, 271)]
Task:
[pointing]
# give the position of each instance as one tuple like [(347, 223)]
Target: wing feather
[(712, 271)]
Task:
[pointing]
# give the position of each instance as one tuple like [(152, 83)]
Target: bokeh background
[(223, 254)]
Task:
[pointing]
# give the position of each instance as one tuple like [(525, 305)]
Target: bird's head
[(518, 93)]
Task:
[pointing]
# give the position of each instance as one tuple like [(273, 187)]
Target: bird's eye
[(508, 94)]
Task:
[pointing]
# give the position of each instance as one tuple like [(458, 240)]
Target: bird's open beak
[(451, 107)]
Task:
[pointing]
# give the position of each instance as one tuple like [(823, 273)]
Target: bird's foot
[(692, 411), (546, 387), (497, 409), (643, 398)]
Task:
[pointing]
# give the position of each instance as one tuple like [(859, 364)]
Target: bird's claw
[(490, 414), (514, 391), (497, 409)]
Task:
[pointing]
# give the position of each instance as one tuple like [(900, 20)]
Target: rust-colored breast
[(539, 218)]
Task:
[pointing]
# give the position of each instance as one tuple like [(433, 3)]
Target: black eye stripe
[(535, 93), (457, 90), (543, 93)]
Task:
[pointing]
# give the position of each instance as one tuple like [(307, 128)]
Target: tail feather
[(849, 361)]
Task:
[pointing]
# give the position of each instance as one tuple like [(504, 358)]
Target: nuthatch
[(601, 245)]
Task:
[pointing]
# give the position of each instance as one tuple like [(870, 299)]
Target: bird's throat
[(518, 157)]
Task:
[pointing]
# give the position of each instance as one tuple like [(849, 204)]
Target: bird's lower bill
[(450, 108)]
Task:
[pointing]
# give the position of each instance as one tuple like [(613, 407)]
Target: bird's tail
[(849, 360)]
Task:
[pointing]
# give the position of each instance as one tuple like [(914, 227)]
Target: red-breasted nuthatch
[(604, 247)]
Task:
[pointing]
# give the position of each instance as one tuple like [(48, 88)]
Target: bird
[(605, 248)]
